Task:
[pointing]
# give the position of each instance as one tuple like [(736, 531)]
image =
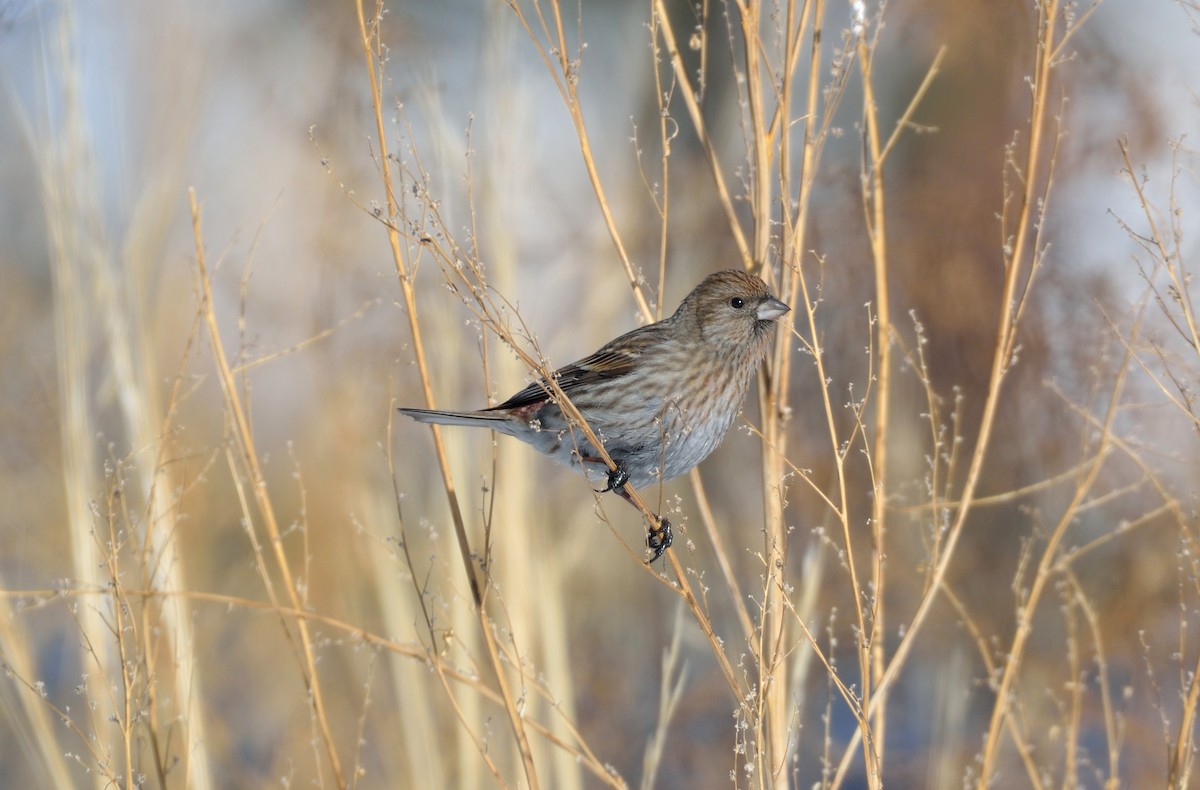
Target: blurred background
[(115, 436)]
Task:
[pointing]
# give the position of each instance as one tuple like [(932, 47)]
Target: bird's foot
[(617, 478), (659, 539)]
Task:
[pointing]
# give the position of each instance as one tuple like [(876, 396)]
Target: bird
[(660, 398)]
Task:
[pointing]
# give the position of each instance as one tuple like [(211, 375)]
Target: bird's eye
[(737, 303)]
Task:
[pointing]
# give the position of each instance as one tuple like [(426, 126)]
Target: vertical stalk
[(772, 715), (876, 223), (369, 39), (1016, 276), (248, 456)]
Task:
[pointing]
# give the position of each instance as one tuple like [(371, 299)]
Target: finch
[(660, 398)]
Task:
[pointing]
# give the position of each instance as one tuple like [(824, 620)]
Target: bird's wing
[(613, 361)]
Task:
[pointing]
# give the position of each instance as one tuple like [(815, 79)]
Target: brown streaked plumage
[(660, 398)]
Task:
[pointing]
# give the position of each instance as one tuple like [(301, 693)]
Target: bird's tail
[(474, 419)]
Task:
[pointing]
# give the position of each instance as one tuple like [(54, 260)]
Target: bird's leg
[(617, 478), (659, 537)]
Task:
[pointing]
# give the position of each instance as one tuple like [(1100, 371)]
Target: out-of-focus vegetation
[(952, 543)]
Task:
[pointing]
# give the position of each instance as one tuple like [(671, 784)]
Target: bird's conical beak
[(771, 309)]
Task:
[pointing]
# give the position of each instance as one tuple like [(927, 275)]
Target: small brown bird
[(659, 398)]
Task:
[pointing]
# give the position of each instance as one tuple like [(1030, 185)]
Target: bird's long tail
[(473, 419)]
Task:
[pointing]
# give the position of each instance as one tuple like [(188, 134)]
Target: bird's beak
[(771, 309)]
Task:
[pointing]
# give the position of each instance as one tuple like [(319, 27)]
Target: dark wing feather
[(613, 361)]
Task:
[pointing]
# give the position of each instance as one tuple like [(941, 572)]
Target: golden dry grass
[(953, 542)]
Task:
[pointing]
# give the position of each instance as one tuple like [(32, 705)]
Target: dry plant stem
[(1045, 571), (432, 654), (1096, 632), (1172, 263), (1181, 759), (848, 695), (841, 505), (774, 700), (125, 640), (876, 223), (350, 630), (308, 341), (796, 285), (1182, 752), (1171, 505), (665, 136), (37, 736), (360, 740), (64, 718), (160, 563), (369, 34), (126, 711), (684, 589), (1003, 497), (566, 77), (794, 232), (248, 458), (142, 648), (1153, 376), (722, 554), (875, 216), (161, 568), (760, 144), (691, 100), (795, 229), (1017, 273), (985, 656), (673, 679)]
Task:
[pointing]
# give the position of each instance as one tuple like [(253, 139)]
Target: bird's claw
[(659, 539), (617, 478)]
